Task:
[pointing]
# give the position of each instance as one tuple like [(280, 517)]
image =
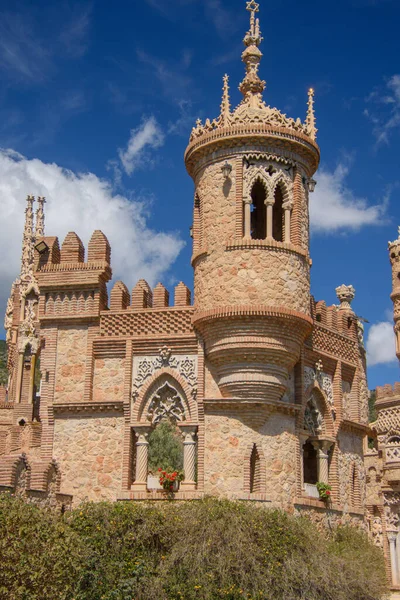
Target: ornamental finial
[(225, 104), (345, 294), (27, 239), (39, 232), (310, 121), (252, 87)]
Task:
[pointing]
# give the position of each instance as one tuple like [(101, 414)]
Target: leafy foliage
[(165, 448), (371, 406), (3, 363), (203, 550)]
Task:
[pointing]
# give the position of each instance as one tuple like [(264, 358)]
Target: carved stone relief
[(166, 404), (324, 380), (145, 367)]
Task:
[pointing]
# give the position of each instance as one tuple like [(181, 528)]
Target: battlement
[(339, 321), (388, 391), (72, 253), (143, 297)]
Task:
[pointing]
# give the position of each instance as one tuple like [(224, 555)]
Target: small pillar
[(142, 456), (99, 249), (160, 296), (322, 449), (142, 296), (189, 457), (270, 215), (287, 207), (392, 537), (247, 218)]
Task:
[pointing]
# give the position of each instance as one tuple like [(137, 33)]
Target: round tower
[(252, 168), (394, 254)]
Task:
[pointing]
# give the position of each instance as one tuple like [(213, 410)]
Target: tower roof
[(253, 113)]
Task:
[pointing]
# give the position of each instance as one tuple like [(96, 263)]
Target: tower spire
[(27, 240), (39, 232), (252, 87), (310, 121), (225, 104)]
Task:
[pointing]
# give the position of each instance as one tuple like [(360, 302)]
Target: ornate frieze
[(323, 379), (271, 176), (145, 367)]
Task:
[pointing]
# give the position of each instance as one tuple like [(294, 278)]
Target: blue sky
[(97, 101)]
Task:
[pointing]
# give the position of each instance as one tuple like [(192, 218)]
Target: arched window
[(255, 471), (277, 223), (310, 464), (258, 225)]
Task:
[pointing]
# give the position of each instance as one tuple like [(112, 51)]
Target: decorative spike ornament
[(39, 232), (225, 104), (310, 121), (27, 240), (252, 87)]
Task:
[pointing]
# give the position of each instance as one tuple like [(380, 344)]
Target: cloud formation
[(384, 109), (381, 347), (334, 207), (148, 135), (80, 202)]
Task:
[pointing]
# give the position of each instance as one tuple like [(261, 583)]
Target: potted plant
[(170, 480), (324, 490)]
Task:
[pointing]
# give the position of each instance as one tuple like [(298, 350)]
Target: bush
[(209, 550)]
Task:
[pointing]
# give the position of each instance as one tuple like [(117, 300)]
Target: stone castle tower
[(267, 386)]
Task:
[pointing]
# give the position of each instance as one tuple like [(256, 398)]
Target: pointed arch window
[(278, 215), (258, 219)]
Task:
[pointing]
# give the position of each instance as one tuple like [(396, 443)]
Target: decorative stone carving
[(377, 532), (346, 295), (313, 420), (146, 367), (346, 400), (271, 176), (388, 420), (324, 380), (166, 404)]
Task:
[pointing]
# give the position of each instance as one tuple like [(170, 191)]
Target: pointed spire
[(252, 87), (40, 217), (27, 239), (225, 104), (310, 121)]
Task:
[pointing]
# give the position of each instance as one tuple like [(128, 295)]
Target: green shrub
[(204, 550), (165, 448)]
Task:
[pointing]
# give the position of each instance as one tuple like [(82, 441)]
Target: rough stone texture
[(351, 454), (236, 277), (228, 437), (89, 451), (326, 520), (71, 361), (108, 381)]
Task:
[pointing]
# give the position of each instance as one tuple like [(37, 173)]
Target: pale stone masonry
[(267, 386)]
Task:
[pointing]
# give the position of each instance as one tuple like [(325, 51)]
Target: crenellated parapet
[(71, 287)]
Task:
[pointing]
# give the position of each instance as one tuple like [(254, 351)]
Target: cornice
[(227, 312), (88, 407)]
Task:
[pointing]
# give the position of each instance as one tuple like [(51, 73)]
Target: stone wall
[(71, 363), (108, 382), (89, 452), (350, 456), (228, 438)]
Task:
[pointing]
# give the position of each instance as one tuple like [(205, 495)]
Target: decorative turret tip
[(395, 242), (225, 104), (310, 121), (252, 86), (346, 295), (40, 217)]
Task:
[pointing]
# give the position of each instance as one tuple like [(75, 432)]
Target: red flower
[(328, 493)]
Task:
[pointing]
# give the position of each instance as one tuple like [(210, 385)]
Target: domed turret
[(252, 168)]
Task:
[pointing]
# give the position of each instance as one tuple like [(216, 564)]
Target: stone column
[(19, 377), (189, 457), (142, 454), (302, 441), (392, 537), (32, 378), (322, 449), (270, 216), (247, 218), (287, 207)]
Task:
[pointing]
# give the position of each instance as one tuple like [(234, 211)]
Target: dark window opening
[(277, 224), (255, 471), (310, 464), (259, 212)]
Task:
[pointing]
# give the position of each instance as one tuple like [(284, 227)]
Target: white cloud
[(148, 135), (381, 347), (334, 207), (384, 113), (80, 202)]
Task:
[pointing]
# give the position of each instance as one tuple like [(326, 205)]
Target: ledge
[(158, 496), (88, 407), (354, 427), (253, 498), (306, 501), (267, 244), (285, 407)]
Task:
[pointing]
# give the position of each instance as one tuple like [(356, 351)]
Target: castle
[(267, 386)]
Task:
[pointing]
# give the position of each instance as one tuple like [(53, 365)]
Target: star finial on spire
[(310, 121), (225, 104)]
